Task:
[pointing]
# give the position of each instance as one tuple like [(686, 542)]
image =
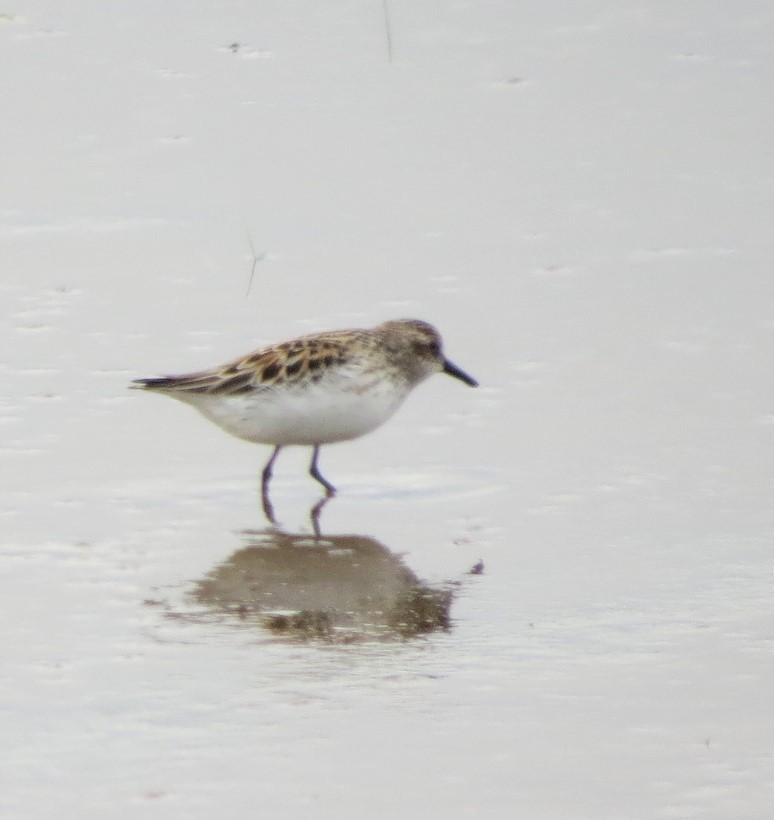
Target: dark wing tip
[(153, 384)]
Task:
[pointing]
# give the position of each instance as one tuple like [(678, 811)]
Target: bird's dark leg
[(317, 475), (265, 478), (266, 474)]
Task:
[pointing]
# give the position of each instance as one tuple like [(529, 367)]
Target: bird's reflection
[(336, 588), (314, 512)]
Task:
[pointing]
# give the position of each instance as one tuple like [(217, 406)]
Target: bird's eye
[(424, 347), (427, 347)]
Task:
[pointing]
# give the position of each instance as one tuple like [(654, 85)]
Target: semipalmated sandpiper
[(314, 390)]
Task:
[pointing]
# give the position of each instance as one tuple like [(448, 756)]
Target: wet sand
[(577, 199)]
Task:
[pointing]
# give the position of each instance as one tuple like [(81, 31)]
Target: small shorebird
[(314, 390)]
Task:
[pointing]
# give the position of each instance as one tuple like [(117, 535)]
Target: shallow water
[(548, 192)]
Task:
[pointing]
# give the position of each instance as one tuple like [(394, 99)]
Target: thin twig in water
[(387, 30), (256, 260)]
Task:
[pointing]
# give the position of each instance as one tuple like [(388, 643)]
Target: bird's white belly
[(315, 414)]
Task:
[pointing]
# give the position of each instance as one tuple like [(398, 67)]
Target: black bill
[(453, 370)]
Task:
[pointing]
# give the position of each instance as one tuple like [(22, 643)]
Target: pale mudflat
[(543, 181)]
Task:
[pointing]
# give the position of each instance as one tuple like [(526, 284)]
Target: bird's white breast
[(315, 413)]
